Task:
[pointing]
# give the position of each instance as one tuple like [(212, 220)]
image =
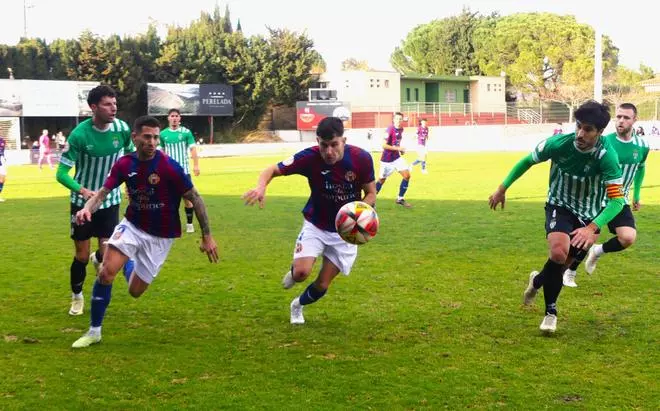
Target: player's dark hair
[(629, 106), (145, 121), (398, 113), (97, 93), (173, 110), (329, 128), (593, 112)]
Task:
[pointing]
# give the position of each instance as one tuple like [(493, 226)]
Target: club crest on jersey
[(350, 176), (553, 223), (299, 248), (635, 154), (115, 141), (153, 179)]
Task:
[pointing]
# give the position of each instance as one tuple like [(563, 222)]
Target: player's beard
[(625, 132)]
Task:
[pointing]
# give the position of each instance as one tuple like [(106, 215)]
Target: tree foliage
[(351, 64), (542, 54), (264, 70)]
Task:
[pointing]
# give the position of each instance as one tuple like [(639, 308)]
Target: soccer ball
[(356, 222)]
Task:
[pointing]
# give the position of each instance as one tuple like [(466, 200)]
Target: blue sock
[(403, 188), (423, 165), (378, 186), (416, 162), (311, 295), (128, 269), (100, 299), (1, 186)]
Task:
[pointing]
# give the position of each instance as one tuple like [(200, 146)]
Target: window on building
[(407, 94), (387, 84), (488, 87), (450, 96), (416, 94)]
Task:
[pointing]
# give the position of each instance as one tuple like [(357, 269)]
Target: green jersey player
[(584, 169), (632, 150), (177, 141), (93, 147)]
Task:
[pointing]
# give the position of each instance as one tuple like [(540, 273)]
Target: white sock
[(598, 250), (78, 296), (95, 330)]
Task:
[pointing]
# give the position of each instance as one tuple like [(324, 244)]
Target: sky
[(362, 29)]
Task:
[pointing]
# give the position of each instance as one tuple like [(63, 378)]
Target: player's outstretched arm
[(195, 158), (498, 197), (91, 205), (639, 179), (208, 244), (258, 193), (369, 193), (521, 167)]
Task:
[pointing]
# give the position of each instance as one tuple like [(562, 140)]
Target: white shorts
[(312, 242), (149, 252), (386, 169), (3, 170), (421, 152)]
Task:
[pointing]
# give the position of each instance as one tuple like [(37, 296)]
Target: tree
[(294, 56), (226, 21), (646, 72), (352, 64), (543, 54), (441, 46), (91, 61)]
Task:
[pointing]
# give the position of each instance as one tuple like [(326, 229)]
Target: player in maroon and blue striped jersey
[(392, 159), (337, 173), (155, 183)]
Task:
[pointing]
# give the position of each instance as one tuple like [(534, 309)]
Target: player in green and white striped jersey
[(177, 141), (93, 147), (632, 150), (584, 168)]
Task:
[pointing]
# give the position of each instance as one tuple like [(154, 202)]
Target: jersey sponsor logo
[(324, 172), (153, 179), (350, 176), (132, 174), (89, 147)]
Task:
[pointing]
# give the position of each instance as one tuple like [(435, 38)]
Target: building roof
[(420, 76)]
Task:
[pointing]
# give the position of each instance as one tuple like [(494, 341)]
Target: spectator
[(640, 131), (558, 130), (60, 139)]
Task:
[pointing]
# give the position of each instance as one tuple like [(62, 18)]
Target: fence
[(457, 114)]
